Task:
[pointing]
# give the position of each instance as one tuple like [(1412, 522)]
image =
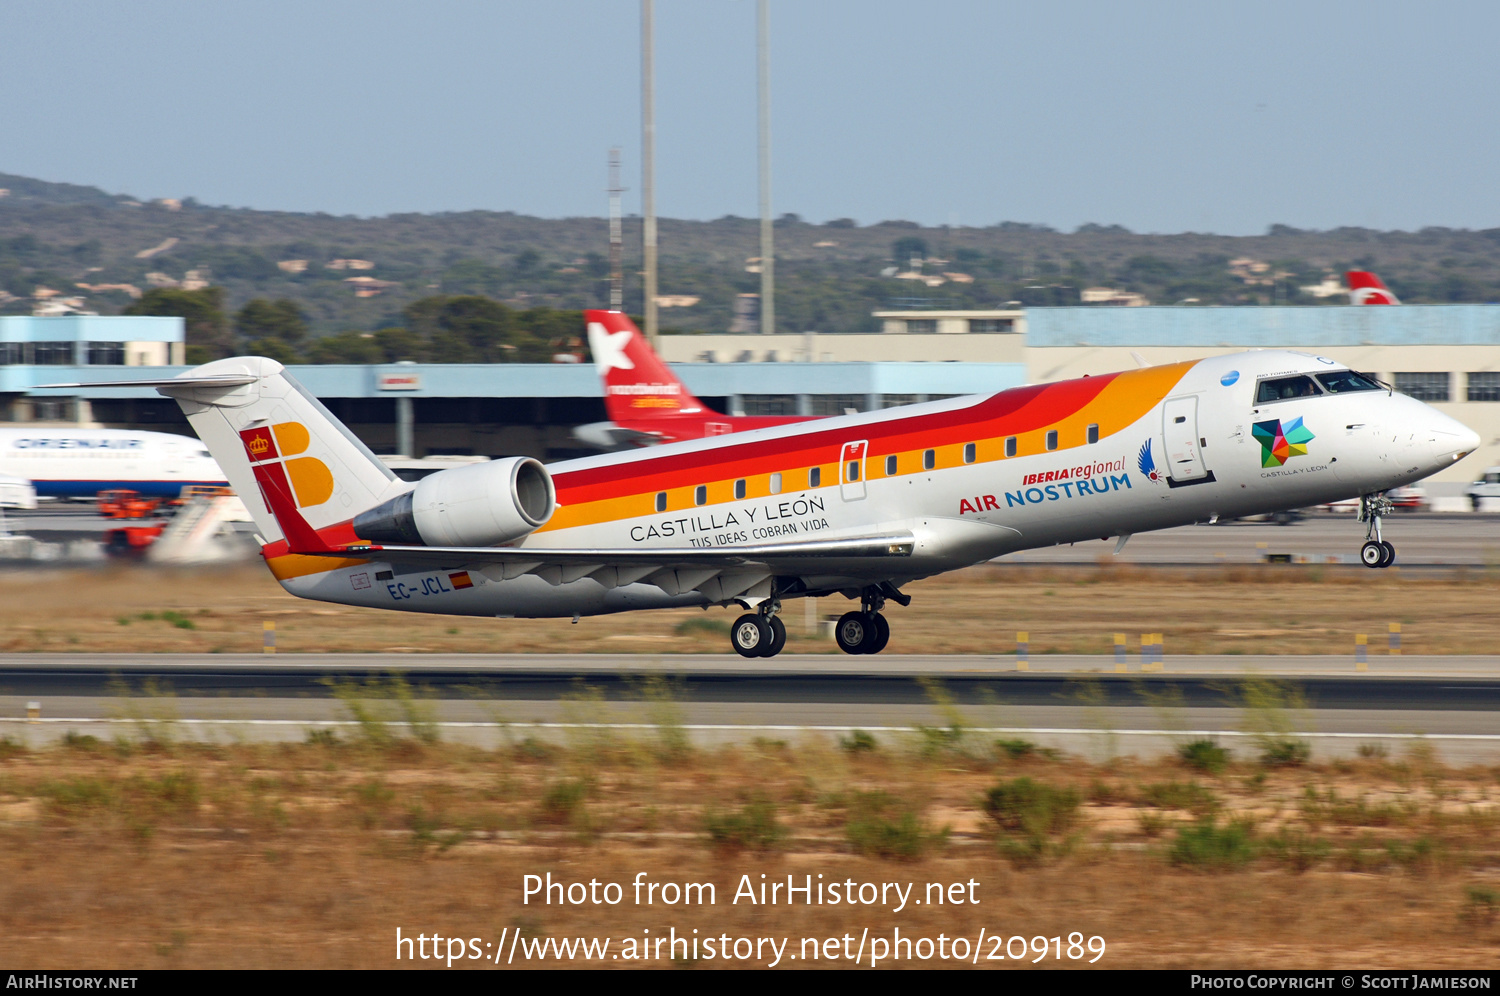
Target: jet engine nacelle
[(482, 504)]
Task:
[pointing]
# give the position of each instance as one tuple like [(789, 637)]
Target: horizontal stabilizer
[(217, 380)]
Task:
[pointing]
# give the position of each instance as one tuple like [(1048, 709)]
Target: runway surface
[(1080, 704)]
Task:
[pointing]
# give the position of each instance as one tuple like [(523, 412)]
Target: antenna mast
[(616, 274)]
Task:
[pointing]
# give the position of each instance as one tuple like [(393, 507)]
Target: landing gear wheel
[(854, 633), (1390, 553), (778, 637), (882, 634), (1373, 554), (750, 635)]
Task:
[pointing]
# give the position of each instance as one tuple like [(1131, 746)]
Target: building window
[(106, 354), (52, 409), (769, 404), (1010, 446), (824, 405), (929, 459), (1051, 439), (815, 477), (776, 483), (739, 489), (890, 465), (990, 326), (661, 501), (1484, 386), (12, 353), (921, 326), (897, 400), (1424, 386), (968, 452), (1093, 433), (700, 495), (54, 354)]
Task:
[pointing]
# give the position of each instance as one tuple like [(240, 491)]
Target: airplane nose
[(1452, 441)]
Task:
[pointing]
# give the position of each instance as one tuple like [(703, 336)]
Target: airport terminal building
[(1446, 355)]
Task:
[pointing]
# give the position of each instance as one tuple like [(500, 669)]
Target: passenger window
[(968, 452), (853, 471), (700, 495), (776, 483), (815, 477), (1093, 434), (890, 465), (1051, 439), (929, 459), (739, 489), (1285, 388), (1010, 446), (661, 501)]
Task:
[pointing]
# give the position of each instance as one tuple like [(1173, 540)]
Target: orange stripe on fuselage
[(628, 489)]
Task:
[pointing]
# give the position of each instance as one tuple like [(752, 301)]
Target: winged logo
[(1145, 462)]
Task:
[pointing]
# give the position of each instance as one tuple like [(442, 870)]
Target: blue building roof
[(90, 328), (1400, 325)]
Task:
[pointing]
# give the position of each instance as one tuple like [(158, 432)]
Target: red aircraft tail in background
[(1367, 288), (644, 400)]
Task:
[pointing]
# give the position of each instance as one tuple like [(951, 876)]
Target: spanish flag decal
[(461, 580)]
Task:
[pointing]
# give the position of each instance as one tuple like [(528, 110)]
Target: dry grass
[(155, 855), (1251, 609)]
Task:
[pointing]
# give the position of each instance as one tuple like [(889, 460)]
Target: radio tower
[(616, 274)]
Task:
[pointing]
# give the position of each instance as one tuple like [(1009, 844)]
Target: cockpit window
[(1341, 381), (1284, 388)]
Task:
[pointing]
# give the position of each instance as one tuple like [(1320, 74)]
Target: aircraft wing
[(721, 572)]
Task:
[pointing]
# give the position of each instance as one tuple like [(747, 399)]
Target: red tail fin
[(637, 384), (300, 537), (1366, 288)]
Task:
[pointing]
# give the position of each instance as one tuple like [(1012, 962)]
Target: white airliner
[(858, 505), (79, 463)]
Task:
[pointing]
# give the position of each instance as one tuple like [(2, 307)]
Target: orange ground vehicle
[(131, 541), (122, 503)]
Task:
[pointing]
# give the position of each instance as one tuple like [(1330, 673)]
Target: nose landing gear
[(1376, 552)]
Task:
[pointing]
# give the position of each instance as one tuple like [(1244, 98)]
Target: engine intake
[(482, 504)]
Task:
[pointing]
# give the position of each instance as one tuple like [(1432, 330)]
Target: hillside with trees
[(318, 286)]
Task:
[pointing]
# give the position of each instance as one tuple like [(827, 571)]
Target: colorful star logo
[(1279, 443)]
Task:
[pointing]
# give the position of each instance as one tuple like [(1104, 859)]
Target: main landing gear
[(760, 633), (866, 631), (1376, 552)]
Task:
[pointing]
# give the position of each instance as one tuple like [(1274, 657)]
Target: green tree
[(205, 326), (271, 328), (345, 347), (907, 248)]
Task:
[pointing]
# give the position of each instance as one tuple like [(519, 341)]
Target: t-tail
[(1366, 288), (302, 474)]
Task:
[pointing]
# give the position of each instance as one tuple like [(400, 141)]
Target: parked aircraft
[(64, 462), (858, 505), (645, 401), (1367, 288)]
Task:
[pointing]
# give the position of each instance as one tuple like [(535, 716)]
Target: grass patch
[(754, 826), (702, 624), (1207, 844), (1204, 755), (879, 824)]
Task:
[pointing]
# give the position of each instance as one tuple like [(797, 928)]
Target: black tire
[(778, 637), (882, 634), (1372, 554), (853, 632), (750, 635), (1390, 553)]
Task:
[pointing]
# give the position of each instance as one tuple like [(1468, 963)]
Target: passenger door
[(852, 470), (1184, 446)]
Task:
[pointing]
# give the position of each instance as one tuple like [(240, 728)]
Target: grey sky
[(1158, 116)]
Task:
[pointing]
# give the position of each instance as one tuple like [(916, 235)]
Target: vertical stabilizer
[(280, 448), (637, 384), (1366, 288)]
